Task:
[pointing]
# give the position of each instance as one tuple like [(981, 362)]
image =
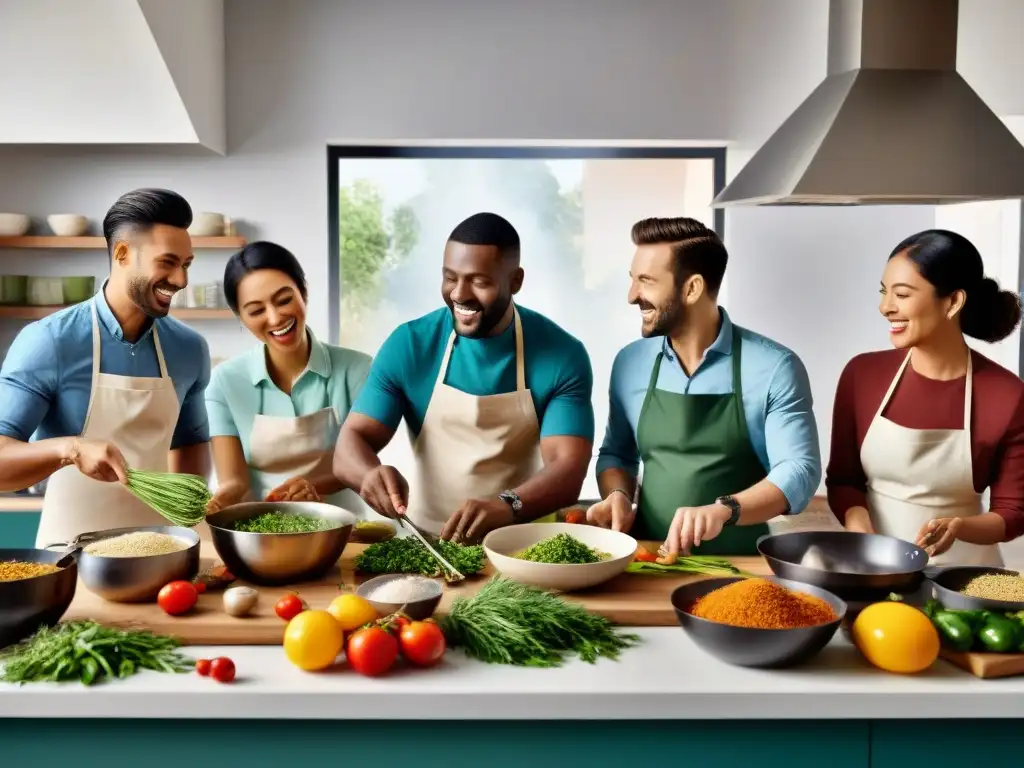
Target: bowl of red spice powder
[(758, 622)]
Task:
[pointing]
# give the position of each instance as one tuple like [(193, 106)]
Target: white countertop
[(667, 677)]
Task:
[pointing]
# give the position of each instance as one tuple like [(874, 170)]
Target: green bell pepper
[(1000, 634), (954, 630)]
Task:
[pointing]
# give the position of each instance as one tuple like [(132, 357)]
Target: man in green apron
[(720, 417)]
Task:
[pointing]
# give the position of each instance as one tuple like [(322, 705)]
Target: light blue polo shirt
[(558, 372), (776, 401), (46, 377), (241, 388)]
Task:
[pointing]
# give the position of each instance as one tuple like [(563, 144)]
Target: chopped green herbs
[(407, 555), (90, 653), (279, 522), (511, 623), (562, 549)]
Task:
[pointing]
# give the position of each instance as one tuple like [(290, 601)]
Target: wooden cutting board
[(638, 600), (986, 665)]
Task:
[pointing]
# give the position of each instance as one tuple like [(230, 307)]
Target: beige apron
[(918, 475), (472, 447), (136, 414)]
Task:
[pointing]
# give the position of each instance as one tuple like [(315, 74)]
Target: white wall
[(302, 73)]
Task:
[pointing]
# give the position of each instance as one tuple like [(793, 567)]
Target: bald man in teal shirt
[(496, 397)]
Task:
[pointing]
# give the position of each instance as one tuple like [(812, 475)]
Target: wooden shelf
[(98, 243), (182, 313)]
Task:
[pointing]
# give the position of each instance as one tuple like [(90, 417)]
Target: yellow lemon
[(313, 640), (896, 637), (351, 611)]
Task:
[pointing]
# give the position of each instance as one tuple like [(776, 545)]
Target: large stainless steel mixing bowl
[(136, 579), (28, 604), (276, 559)]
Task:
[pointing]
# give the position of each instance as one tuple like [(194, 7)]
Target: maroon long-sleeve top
[(997, 427)]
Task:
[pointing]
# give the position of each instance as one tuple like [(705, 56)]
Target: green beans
[(90, 653), (182, 499)]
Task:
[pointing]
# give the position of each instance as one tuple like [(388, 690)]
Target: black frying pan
[(853, 566)]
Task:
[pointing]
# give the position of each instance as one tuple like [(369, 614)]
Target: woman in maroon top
[(919, 432)]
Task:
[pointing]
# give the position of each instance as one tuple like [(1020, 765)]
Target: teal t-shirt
[(558, 372)]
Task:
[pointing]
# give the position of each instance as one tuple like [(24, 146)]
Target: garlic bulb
[(239, 601)]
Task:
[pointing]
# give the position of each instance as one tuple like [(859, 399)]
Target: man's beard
[(667, 319), (140, 291), (489, 318)]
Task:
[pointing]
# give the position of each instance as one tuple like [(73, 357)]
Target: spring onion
[(182, 499)]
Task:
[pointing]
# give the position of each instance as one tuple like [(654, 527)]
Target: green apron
[(695, 449)]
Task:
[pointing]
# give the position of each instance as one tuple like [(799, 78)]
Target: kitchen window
[(392, 208)]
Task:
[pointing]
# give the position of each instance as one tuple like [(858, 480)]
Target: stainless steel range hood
[(892, 123)]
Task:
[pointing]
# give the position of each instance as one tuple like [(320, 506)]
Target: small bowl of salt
[(415, 596)]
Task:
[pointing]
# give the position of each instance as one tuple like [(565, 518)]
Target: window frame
[(469, 151)]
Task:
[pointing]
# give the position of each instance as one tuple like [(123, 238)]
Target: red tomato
[(575, 516), (372, 651), (200, 586), (422, 643), (203, 667), (400, 621), (177, 597), (222, 670), (289, 606)]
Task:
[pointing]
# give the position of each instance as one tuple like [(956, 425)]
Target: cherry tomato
[(200, 586), (422, 643), (644, 556), (177, 597), (400, 621), (222, 669), (575, 516), (289, 606), (203, 667), (372, 651)]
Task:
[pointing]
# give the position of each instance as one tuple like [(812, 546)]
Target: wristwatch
[(730, 503), (512, 499)]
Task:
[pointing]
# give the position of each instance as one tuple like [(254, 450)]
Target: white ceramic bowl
[(14, 224), (207, 225), (503, 544), (68, 224)]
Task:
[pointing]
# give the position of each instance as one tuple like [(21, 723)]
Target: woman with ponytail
[(921, 431)]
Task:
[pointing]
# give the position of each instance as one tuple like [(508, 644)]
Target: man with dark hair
[(110, 383), (497, 400), (720, 416)]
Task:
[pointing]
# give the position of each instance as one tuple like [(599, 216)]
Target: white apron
[(136, 414), (918, 475), (282, 447), (472, 447)]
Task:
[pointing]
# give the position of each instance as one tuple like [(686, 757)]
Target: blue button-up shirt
[(46, 377), (776, 400)]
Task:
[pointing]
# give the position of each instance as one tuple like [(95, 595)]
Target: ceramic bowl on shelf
[(14, 290), (77, 289), (504, 544), (207, 225), (45, 291), (14, 224), (68, 224)]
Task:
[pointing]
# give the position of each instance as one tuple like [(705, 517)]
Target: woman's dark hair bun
[(950, 262)]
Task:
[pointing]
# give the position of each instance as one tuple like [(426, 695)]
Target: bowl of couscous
[(34, 591), (131, 565)]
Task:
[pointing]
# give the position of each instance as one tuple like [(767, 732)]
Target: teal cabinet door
[(946, 743), (18, 529), (445, 744)]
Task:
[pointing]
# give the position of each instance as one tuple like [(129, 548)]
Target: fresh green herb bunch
[(706, 565), (279, 522), (182, 499), (511, 623), (89, 652), (408, 555), (560, 549)]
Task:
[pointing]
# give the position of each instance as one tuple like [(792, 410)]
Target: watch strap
[(731, 504)]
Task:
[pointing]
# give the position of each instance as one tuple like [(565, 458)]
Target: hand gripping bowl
[(501, 546), (135, 579), (278, 559), (28, 604), (749, 647)]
